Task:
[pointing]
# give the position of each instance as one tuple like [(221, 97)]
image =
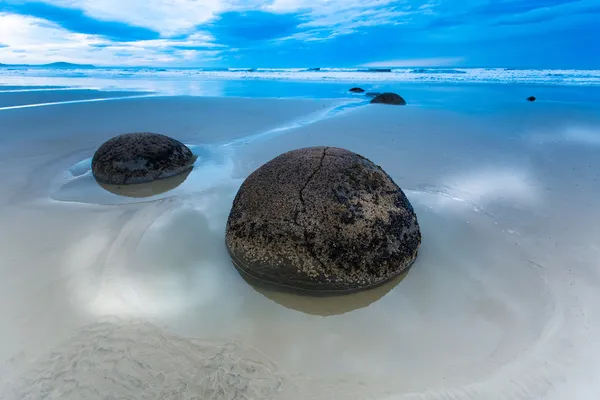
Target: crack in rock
[(303, 210)]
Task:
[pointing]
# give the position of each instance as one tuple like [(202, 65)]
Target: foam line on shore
[(310, 119), (57, 103)]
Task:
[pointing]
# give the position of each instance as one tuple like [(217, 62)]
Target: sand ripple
[(136, 360)]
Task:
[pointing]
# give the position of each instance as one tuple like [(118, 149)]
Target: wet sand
[(135, 296)]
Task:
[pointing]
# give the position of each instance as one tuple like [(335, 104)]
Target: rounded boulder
[(140, 157), (389, 98), (321, 220), (357, 90)]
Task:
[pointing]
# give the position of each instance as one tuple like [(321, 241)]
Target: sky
[(556, 34)]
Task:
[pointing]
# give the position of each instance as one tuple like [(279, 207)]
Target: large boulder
[(321, 220), (389, 98), (140, 157), (357, 90)]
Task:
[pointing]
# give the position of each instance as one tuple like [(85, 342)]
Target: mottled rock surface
[(389, 98), (140, 157), (357, 90), (324, 220)]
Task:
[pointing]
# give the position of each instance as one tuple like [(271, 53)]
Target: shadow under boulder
[(139, 158), (321, 220), (389, 98)]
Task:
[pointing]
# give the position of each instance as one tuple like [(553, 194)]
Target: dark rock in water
[(531, 98), (314, 69), (321, 220), (357, 90), (379, 70), (140, 157), (372, 94), (389, 98)]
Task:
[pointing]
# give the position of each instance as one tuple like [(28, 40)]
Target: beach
[(110, 296)]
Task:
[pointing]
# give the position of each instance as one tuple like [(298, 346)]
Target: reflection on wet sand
[(149, 189), (325, 305)]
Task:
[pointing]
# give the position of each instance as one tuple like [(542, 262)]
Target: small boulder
[(389, 98), (321, 220), (140, 157), (357, 90), (531, 98)]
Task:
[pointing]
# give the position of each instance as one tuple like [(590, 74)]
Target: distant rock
[(531, 98), (357, 90), (140, 157), (389, 98), (379, 70), (321, 220), (372, 94), (313, 69)]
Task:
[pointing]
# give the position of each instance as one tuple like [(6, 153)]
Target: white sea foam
[(464, 75)]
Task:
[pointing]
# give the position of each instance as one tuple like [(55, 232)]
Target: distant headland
[(51, 65)]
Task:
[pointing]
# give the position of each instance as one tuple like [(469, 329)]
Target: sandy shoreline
[(500, 303)]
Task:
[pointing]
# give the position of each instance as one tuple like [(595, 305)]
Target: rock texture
[(389, 98), (140, 157), (357, 90), (322, 220)]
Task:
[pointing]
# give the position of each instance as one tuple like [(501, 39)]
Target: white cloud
[(328, 7), (342, 17), (174, 17), (169, 17), (33, 40)]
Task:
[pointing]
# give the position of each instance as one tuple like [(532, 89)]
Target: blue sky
[(303, 33)]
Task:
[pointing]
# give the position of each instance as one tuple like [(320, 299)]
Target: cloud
[(417, 62), (168, 17), (76, 21), (33, 40), (289, 33)]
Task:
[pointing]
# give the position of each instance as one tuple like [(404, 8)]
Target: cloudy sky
[(303, 33)]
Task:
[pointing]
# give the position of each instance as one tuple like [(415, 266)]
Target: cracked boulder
[(139, 158), (321, 220)]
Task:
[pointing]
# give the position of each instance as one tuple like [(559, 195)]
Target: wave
[(437, 71), (325, 74), (376, 70)]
